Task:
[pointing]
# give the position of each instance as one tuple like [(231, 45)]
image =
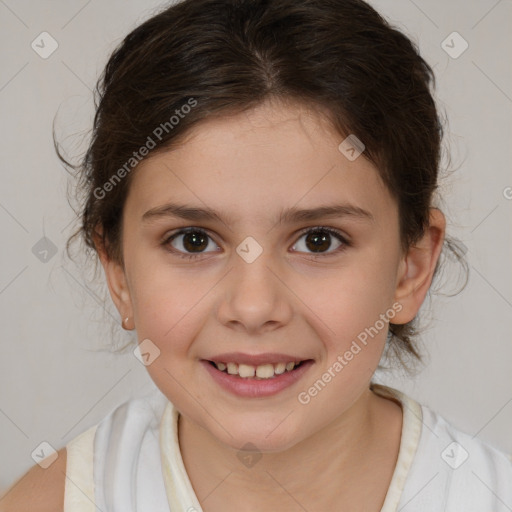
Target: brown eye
[(319, 240), (195, 242), (191, 241)]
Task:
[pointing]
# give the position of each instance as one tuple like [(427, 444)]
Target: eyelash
[(190, 256)]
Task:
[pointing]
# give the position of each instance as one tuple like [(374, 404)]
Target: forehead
[(257, 162)]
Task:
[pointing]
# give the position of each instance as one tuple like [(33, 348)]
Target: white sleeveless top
[(131, 462)]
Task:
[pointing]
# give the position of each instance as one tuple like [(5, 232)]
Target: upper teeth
[(263, 371)]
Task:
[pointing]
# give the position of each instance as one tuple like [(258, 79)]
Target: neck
[(339, 459)]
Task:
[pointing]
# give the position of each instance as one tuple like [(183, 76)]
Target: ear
[(117, 285), (417, 268)]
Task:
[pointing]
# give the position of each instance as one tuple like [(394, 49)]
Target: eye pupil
[(317, 241), (194, 240)]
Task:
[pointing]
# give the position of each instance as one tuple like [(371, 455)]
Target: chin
[(268, 436)]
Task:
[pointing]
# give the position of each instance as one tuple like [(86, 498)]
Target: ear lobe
[(117, 285), (417, 268)]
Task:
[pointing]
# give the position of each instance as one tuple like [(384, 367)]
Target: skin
[(249, 168), (38, 489), (284, 301)]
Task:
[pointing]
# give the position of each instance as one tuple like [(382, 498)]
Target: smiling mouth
[(260, 372)]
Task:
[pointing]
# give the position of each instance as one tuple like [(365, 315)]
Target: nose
[(254, 298)]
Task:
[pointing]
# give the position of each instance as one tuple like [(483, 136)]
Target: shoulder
[(39, 489), (458, 446), (128, 434), (457, 469)]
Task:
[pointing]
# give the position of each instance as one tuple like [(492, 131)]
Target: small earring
[(124, 322)]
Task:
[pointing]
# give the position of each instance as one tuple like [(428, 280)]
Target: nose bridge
[(253, 298)]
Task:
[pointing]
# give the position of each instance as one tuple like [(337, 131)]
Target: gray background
[(54, 380)]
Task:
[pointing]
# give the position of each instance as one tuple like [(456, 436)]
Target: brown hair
[(223, 56)]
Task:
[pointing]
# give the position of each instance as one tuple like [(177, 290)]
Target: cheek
[(170, 309), (167, 307), (356, 307), (351, 300)]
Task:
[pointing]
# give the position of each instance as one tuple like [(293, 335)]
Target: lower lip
[(255, 388)]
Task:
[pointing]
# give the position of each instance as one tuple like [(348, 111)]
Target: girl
[(260, 192)]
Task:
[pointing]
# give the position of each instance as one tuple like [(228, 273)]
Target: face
[(258, 243)]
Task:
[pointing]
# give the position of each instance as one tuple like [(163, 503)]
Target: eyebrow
[(290, 216)]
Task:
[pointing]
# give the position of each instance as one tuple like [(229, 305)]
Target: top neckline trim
[(181, 495)]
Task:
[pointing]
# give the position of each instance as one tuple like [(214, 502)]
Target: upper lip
[(255, 359)]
